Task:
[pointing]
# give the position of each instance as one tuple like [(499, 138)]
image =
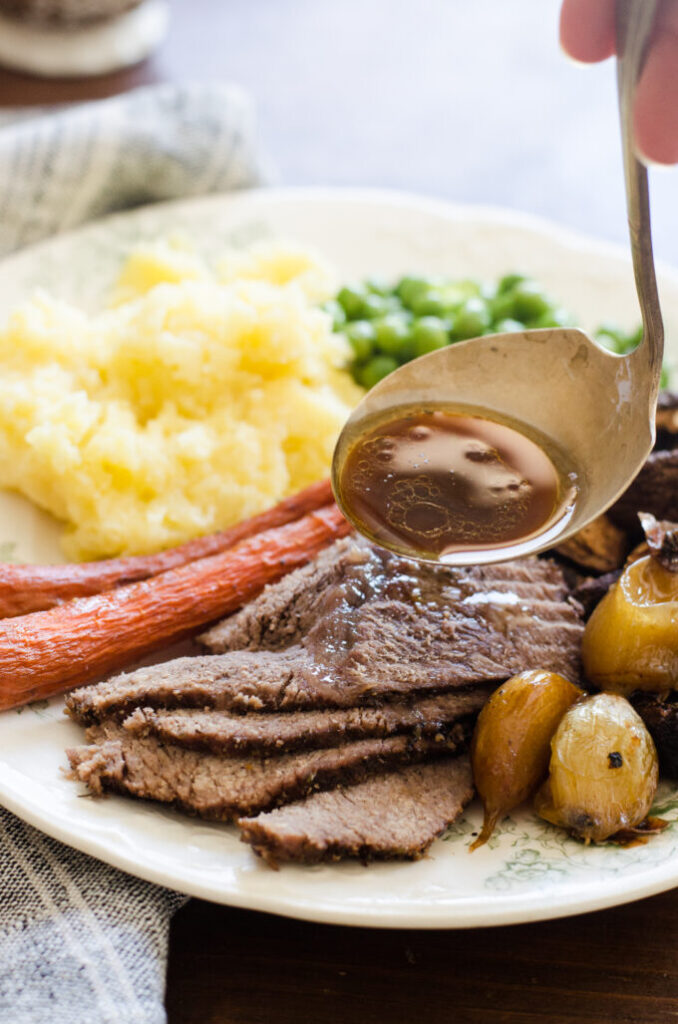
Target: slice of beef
[(667, 420), (654, 490), (600, 546), (660, 714), (222, 787), (351, 573), (398, 814), (590, 592), (242, 681), (384, 627), (282, 614), (223, 732)]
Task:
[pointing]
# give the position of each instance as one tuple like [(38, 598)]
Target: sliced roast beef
[(224, 732), (242, 681), (397, 814), (660, 714), (282, 614), (590, 592), (654, 490), (667, 420), (378, 628), (226, 787), (351, 574)]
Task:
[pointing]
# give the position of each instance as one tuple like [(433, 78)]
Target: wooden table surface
[(238, 967)]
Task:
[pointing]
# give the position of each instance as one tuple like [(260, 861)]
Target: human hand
[(587, 33)]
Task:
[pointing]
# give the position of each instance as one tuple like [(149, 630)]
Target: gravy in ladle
[(431, 482)]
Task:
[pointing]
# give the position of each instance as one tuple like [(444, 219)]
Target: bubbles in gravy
[(434, 482)]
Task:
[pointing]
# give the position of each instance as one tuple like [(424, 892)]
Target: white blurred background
[(466, 99)]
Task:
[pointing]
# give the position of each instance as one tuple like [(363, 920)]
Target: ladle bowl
[(595, 406)]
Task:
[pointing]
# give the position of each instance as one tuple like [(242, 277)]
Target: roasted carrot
[(32, 588), (48, 652)]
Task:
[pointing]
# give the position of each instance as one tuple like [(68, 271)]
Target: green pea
[(508, 326), (630, 340), (374, 371), (608, 327), (457, 292), (529, 301), (617, 340), (409, 288), (429, 303), (379, 286), (444, 299), (471, 320), (336, 311), (611, 336), (508, 282), (351, 299), (377, 305), (428, 334), (361, 338), (557, 317), (501, 307), (392, 334)]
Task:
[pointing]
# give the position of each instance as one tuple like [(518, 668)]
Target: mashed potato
[(200, 396)]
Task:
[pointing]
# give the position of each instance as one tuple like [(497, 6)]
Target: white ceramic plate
[(528, 870)]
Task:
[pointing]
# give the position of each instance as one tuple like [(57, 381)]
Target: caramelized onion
[(631, 640), (510, 748), (603, 771)]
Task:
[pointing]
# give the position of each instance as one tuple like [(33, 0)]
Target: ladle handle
[(634, 21)]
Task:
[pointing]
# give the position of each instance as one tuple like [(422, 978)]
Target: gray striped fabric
[(62, 169), (82, 943)]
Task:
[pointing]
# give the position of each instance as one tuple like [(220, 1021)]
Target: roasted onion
[(631, 640), (603, 770), (510, 748)]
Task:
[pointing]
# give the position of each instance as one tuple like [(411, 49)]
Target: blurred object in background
[(78, 38), (73, 12)]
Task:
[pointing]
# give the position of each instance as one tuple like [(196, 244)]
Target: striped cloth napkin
[(82, 943), (164, 142)]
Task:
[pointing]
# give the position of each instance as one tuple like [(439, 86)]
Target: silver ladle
[(594, 405)]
